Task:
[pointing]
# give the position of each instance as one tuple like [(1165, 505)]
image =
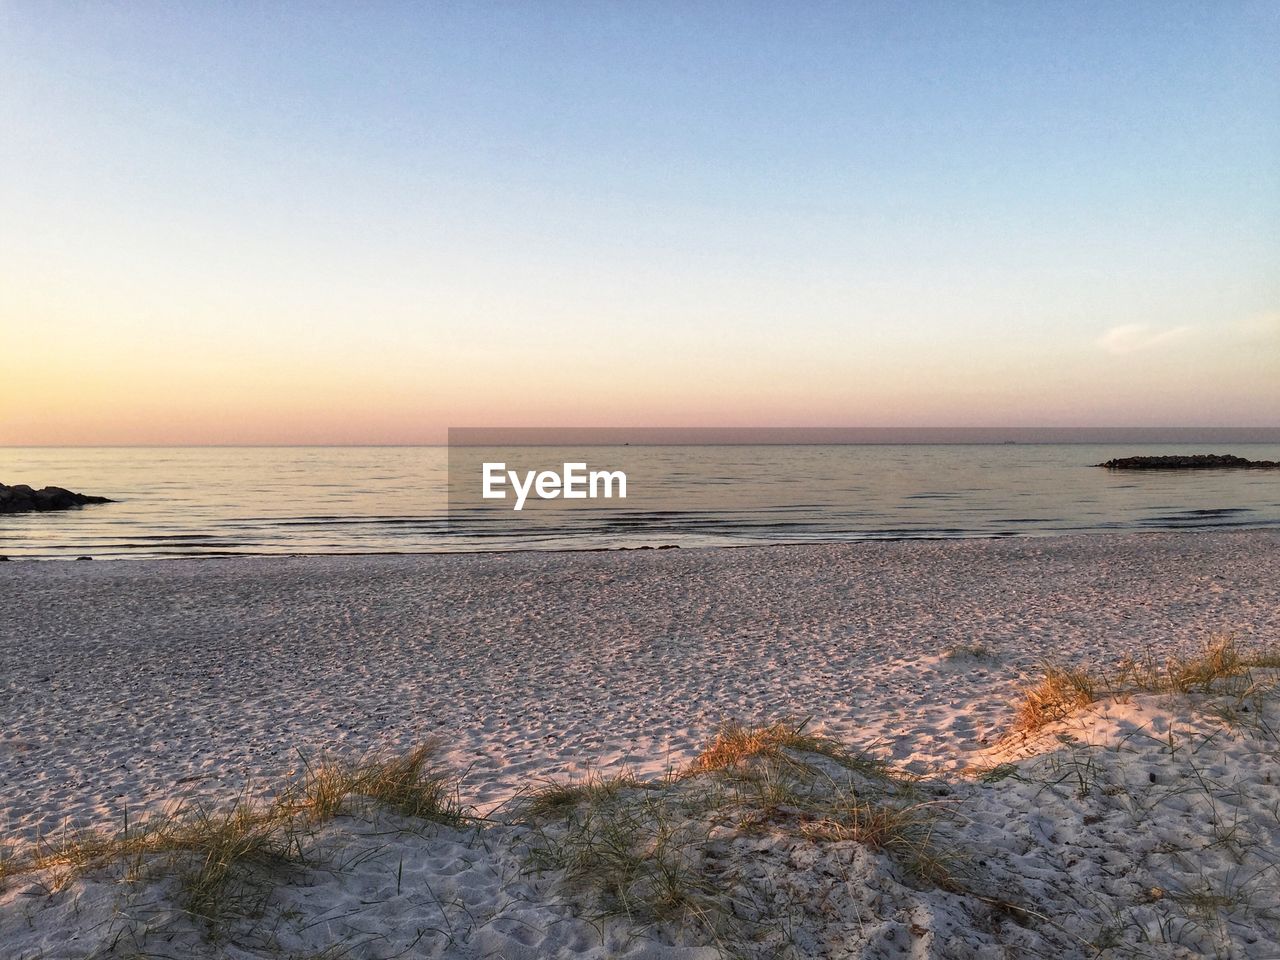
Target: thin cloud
[(1264, 327), (1133, 337)]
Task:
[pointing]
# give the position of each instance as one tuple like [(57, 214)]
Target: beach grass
[(1060, 692), (410, 783), (667, 852), (1221, 665), (227, 859), (553, 799), (739, 749), (224, 860)]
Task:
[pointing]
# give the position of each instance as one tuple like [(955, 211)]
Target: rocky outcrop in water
[(22, 499), (1195, 461)]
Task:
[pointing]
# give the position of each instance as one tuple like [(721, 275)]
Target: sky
[(368, 222)]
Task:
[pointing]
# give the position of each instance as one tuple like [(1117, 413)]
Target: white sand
[(141, 681)]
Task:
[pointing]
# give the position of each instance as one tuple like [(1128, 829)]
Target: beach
[(127, 680), (128, 685), (597, 482)]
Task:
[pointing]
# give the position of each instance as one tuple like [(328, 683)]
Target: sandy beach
[(129, 685)]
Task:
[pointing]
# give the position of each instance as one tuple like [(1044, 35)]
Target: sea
[(217, 501)]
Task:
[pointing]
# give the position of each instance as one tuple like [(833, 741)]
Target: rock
[(21, 498), (1196, 461)]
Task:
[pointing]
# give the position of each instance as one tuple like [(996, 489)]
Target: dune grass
[(638, 852), (552, 799), (657, 852), (739, 748), (410, 783), (1059, 693), (1221, 665), (737, 745), (676, 857), (904, 831), (226, 860), (1219, 660)]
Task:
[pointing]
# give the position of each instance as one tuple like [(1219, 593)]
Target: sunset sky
[(305, 222)]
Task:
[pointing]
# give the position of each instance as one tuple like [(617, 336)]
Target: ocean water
[(254, 500)]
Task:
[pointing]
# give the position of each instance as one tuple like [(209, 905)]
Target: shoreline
[(782, 544)]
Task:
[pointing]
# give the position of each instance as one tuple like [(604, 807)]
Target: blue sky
[(854, 214)]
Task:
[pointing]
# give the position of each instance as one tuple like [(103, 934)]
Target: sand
[(128, 684)]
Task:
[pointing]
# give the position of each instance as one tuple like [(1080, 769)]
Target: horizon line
[(741, 436)]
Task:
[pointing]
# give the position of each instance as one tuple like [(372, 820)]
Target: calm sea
[(218, 500)]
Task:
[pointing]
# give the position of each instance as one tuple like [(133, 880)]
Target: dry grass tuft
[(219, 857), (1220, 666), (640, 853), (225, 860), (324, 793), (1058, 694), (8, 863), (230, 857), (905, 831), (75, 853), (411, 784), (1220, 659), (739, 748), (556, 800), (655, 851)]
